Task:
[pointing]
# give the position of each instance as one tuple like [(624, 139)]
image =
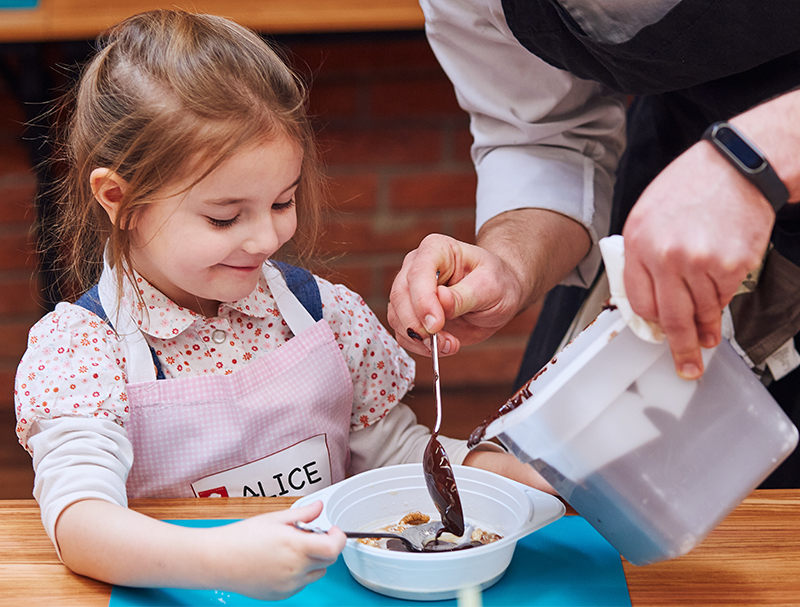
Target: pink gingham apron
[(265, 429)]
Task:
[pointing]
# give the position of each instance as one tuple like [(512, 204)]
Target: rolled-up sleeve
[(542, 138), (77, 458)]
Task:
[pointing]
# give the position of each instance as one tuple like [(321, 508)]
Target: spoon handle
[(362, 534), (437, 391)]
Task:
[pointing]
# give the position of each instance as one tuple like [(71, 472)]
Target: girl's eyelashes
[(223, 223), (283, 206), (226, 223)]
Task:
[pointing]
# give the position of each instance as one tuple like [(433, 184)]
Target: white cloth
[(542, 137), (785, 360), (613, 250)]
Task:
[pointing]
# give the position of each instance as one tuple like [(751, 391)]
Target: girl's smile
[(206, 245)]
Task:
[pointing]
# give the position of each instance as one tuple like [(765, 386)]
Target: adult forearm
[(539, 246), (774, 127)]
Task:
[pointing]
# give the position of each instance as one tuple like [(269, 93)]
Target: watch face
[(743, 152)]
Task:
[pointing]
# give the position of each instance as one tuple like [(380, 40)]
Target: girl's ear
[(108, 188)]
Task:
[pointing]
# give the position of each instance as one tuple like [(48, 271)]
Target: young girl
[(196, 366)]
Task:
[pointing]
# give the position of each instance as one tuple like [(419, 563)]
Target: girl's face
[(206, 245)]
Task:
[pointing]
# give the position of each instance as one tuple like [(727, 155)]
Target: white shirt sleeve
[(77, 458), (399, 439), (542, 137)]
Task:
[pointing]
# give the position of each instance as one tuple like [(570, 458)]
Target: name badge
[(301, 469)]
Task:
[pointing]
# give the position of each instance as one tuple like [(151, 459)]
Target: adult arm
[(546, 145), (700, 226)]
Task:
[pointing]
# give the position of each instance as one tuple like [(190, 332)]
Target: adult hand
[(521, 254), (690, 240), (475, 294)]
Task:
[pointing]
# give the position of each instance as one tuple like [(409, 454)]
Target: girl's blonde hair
[(169, 92)]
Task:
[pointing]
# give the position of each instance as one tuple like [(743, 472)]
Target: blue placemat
[(567, 563), (18, 3)]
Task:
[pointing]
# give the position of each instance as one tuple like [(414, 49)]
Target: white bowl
[(373, 499)]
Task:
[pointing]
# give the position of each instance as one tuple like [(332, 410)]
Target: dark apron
[(705, 60)]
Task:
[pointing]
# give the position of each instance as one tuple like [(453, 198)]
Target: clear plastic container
[(652, 461)]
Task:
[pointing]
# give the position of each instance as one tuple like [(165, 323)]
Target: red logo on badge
[(217, 492)]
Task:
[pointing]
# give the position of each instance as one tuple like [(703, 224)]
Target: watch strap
[(749, 161)]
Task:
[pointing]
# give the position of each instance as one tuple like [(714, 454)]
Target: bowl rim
[(550, 507)]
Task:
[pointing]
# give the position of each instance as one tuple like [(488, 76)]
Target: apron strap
[(295, 291), (140, 355), (301, 282), (293, 311)]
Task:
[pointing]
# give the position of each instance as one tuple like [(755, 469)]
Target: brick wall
[(397, 149)]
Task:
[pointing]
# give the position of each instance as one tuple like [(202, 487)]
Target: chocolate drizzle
[(512, 403)]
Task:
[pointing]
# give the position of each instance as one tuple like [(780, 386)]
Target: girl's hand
[(266, 557)]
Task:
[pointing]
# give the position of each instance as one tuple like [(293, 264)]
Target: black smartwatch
[(749, 161)]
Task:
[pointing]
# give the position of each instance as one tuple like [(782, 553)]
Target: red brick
[(387, 145), (14, 337), (19, 297), (385, 52), (331, 100), (13, 121), (462, 142), (414, 97), (7, 373), (354, 192), (354, 277), (397, 235), (17, 251), (464, 229), (16, 202), (482, 364), (14, 159), (433, 191)]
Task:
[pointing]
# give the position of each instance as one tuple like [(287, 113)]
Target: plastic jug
[(652, 461)]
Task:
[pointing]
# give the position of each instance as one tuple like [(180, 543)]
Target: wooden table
[(752, 558), (79, 19)]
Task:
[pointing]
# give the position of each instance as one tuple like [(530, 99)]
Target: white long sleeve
[(77, 458), (542, 137)]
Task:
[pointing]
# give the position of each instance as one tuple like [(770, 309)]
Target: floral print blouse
[(75, 364)]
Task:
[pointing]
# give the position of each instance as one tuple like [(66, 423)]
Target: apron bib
[(278, 426)]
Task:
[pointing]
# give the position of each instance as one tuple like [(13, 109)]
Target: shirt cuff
[(550, 178)]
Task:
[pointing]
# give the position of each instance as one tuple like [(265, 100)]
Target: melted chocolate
[(442, 487), (435, 545), (512, 403)]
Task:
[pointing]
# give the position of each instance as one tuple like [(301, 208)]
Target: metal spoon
[(415, 538), (439, 476)]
